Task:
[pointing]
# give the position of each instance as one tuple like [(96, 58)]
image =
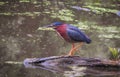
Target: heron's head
[(55, 24)]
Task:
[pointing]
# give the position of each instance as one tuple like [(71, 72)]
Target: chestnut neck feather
[(61, 30)]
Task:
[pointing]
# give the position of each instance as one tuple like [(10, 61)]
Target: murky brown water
[(22, 36)]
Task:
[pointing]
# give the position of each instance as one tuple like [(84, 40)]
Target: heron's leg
[(72, 46), (72, 51)]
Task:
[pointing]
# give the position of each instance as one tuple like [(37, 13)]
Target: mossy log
[(70, 63)]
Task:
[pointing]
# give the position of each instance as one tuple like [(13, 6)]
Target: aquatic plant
[(114, 53)]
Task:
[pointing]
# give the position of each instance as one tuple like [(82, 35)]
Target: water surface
[(22, 35)]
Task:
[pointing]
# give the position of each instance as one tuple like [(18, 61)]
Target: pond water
[(23, 36)]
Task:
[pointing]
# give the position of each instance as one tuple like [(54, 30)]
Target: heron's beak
[(50, 26)]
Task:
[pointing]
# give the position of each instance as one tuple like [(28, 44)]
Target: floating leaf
[(13, 62)]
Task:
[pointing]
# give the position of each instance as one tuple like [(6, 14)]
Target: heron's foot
[(71, 52), (74, 49)]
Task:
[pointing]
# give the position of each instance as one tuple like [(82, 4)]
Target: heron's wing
[(77, 35)]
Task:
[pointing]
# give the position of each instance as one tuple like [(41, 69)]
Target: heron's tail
[(88, 41)]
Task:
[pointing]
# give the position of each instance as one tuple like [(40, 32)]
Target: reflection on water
[(21, 36)]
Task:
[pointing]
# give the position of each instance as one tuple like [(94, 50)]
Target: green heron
[(71, 34)]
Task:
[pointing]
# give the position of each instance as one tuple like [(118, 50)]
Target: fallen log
[(90, 66), (72, 60)]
